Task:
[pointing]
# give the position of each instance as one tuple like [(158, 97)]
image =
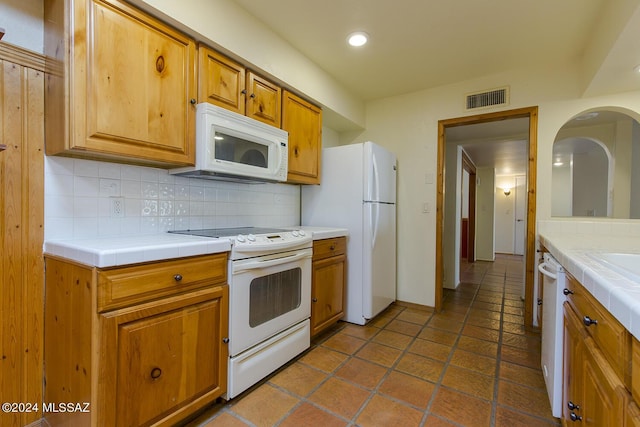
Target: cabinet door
[(327, 303), (303, 121), (572, 403), (604, 394), (221, 81), (264, 100), (140, 80), (168, 358)]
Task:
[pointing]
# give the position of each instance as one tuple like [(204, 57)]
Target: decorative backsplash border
[(80, 196)]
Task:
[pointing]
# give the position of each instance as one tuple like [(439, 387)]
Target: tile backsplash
[(87, 199)]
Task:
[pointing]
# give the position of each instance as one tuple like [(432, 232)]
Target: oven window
[(274, 295), (238, 150)]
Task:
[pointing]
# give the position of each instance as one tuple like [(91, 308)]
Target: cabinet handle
[(225, 340), (589, 321), (567, 291), (177, 277), (314, 299), (539, 301), (573, 406), (155, 373), (192, 101), (575, 417)]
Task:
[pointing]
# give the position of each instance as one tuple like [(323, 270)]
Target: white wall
[(22, 22), (485, 214), (407, 125)]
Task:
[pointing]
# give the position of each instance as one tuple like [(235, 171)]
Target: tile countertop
[(320, 233), (579, 254), (116, 251)]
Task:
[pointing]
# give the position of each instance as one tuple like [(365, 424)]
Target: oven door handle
[(254, 264)]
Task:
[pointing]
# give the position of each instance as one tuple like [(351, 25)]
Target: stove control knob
[(294, 233), (302, 233), (251, 238), (240, 238)]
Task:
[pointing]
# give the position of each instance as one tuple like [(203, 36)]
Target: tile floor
[(473, 364)]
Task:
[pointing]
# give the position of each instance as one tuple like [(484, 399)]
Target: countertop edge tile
[(579, 252), (119, 251)]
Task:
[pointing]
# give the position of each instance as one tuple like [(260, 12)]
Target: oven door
[(268, 294)]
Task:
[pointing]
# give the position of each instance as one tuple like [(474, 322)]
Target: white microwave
[(230, 146)]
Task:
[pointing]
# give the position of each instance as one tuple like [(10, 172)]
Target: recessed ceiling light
[(358, 38), (636, 68), (558, 164)]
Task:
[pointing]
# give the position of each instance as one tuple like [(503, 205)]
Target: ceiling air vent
[(489, 98)]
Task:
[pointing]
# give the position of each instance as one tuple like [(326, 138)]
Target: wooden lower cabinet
[(328, 283), (150, 363), (596, 387)]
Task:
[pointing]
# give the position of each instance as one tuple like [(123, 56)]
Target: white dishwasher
[(554, 284)]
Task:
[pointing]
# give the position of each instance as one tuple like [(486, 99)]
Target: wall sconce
[(507, 191)]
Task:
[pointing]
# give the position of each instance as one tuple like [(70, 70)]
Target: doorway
[(529, 242)]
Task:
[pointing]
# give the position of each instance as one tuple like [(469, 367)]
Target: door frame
[(467, 165), (532, 114)]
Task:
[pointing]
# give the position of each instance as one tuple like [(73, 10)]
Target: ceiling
[(419, 44)]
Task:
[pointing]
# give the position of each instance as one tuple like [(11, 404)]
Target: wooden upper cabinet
[(264, 100), (227, 84), (221, 80), (303, 121), (123, 87)]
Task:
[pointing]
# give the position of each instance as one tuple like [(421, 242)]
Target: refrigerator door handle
[(373, 222), (375, 191)]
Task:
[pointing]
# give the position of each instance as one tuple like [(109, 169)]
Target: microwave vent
[(488, 98)]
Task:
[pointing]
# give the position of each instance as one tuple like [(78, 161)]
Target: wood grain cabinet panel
[(228, 84), (153, 361), (597, 379), (328, 283), (303, 121), (122, 87)]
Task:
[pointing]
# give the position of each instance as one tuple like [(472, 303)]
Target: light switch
[(426, 207)]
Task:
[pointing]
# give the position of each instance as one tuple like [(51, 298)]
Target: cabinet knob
[(252, 96), (243, 92), (567, 291), (177, 277), (589, 321), (575, 417), (573, 406), (225, 340), (332, 248), (539, 301), (156, 373), (314, 299), (192, 101)]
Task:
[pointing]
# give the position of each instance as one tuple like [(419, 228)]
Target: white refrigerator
[(358, 192)]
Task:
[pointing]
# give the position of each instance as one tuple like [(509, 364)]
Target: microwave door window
[(232, 149)]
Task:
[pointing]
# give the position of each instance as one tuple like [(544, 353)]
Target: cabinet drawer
[(327, 248), (124, 286), (610, 336)]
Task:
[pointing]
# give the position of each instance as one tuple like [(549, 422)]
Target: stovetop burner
[(229, 232)]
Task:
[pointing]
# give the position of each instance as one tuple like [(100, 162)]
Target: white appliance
[(553, 296), (269, 300), (230, 146), (358, 192)]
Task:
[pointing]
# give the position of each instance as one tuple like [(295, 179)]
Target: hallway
[(473, 364)]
